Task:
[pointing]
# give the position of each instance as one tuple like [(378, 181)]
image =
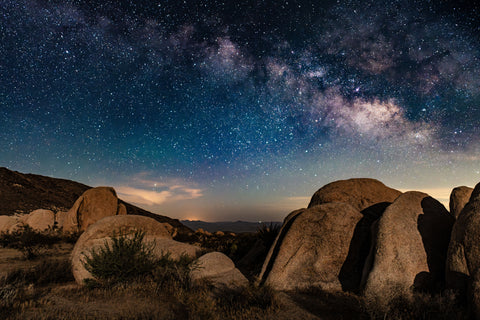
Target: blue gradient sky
[(240, 110)]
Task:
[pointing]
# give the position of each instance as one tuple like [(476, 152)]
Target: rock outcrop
[(40, 219), (93, 205), (22, 193), (463, 260), (8, 223), (219, 270), (458, 199), (312, 248), (361, 193), (409, 248), (159, 235)]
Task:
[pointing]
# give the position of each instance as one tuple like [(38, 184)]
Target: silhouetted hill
[(232, 226), (23, 193)]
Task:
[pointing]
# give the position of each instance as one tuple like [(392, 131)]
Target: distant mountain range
[(23, 193), (232, 226)]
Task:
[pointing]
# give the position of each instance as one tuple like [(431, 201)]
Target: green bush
[(122, 259)]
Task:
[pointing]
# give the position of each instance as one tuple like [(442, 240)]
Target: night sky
[(240, 109)]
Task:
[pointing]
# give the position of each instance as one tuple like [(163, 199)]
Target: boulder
[(173, 248), (362, 194), (458, 199), (463, 259), (409, 248), (93, 205), (8, 224), (156, 233), (312, 248), (40, 220), (122, 210), (60, 217), (219, 270)]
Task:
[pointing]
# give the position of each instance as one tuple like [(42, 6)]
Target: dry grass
[(46, 290), (419, 305)]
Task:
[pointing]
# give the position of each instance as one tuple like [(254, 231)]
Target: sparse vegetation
[(23, 288), (268, 233), (31, 242), (420, 306), (28, 241), (48, 271), (125, 258), (173, 274)]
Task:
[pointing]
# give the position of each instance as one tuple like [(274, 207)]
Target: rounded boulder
[(360, 193), (219, 269), (463, 260), (409, 248), (93, 205), (40, 220), (458, 199), (312, 248), (8, 224)]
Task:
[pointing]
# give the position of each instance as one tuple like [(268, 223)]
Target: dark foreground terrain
[(43, 287)]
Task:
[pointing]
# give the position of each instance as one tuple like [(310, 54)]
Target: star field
[(241, 109)]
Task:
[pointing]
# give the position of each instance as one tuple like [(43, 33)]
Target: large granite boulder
[(458, 199), (93, 205), (362, 194), (158, 235), (40, 220), (409, 248), (312, 249), (463, 260), (219, 270), (60, 217), (8, 224)]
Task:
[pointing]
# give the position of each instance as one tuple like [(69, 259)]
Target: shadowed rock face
[(360, 193), (311, 248), (458, 199), (409, 248), (463, 259)]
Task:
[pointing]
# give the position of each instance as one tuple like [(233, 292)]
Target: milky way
[(242, 109)]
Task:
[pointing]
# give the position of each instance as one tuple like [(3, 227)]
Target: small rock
[(219, 270), (40, 220)]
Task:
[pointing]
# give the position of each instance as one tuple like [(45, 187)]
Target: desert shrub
[(123, 258), (173, 274), (268, 233), (28, 240), (46, 272), (262, 297), (250, 302)]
